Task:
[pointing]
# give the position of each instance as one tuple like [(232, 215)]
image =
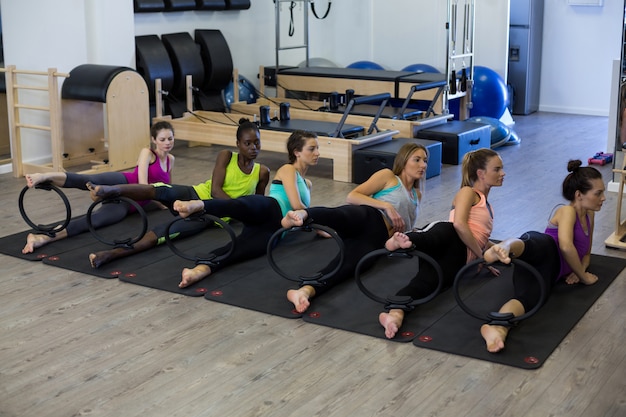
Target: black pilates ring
[(496, 318), (317, 279), (118, 243), (406, 303), (211, 258), (50, 230)]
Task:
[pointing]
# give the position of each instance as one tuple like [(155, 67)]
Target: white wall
[(580, 43), (579, 46)]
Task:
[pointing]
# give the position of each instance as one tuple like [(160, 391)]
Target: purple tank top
[(155, 172), (581, 243)]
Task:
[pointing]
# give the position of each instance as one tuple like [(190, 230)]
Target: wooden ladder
[(51, 88)]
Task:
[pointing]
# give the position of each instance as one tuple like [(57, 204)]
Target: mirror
[(620, 134)]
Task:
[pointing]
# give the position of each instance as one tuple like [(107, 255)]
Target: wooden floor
[(75, 345)]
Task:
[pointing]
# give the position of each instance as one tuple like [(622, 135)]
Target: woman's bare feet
[(300, 297), (34, 179), (97, 259), (34, 241), (398, 241), (497, 253), (294, 218), (391, 321), (187, 208), (192, 275), (494, 337), (100, 192)]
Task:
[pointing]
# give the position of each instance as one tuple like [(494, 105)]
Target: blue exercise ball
[(490, 95), (366, 65), (500, 133), (420, 68), (247, 92)]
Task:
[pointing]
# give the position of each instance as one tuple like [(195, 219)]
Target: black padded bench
[(458, 138)]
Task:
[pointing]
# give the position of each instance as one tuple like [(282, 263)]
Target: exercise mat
[(166, 271), (85, 243), (348, 308), (261, 288), (76, 258), (531, 342)]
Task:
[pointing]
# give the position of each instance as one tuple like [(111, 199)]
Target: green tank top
[(236, 182)]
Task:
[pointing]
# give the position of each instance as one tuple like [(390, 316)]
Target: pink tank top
[(480, 222), (155, 172)]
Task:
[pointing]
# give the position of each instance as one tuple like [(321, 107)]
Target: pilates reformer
[(219, 129), (363, 82)]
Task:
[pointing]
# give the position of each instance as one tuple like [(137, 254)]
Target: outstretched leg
[(391, 321), (55, 178), (97, 259), (134, 191), (300, 297), (34, 240), (192, 275)]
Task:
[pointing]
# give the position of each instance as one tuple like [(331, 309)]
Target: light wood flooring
[(75, 345)]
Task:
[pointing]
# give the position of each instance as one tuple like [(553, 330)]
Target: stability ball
[(490, 95), (247, 92), (419, 68), (500, 133), (365, 65)]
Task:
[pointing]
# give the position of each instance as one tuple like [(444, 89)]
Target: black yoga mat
[(76, 258), (347, 307), (83, 243), (530, 343), (259, 287)]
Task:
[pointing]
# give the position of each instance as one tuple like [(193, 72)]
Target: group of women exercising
[(381, 212)]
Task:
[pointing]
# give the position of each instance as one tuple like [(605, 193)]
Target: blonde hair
[(472, 162)]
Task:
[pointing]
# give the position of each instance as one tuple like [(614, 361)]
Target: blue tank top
[(277, 191)]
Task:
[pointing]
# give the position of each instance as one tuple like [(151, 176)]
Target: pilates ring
[(317, 279), (212, 259), (127, 242), (403, 302), (46, 229), (496, 318)]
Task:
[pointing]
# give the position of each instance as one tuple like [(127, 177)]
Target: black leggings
[(106, 214), (362, 229), (540, 251), (168, 193), (260, 216), (441, 241)]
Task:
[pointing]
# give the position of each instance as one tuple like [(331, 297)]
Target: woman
[(453, 243), (235, 174), (388, 201), (562, 252), (155, 164), (260, 215)]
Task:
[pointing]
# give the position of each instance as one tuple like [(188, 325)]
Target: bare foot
[(494, 337), (100, 192), (34, 241), (187, 208), (497, 253), (34, 179), (98, 259), (294, 218), (300, 297), (192, 275), (398, 241), (391, 321)]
